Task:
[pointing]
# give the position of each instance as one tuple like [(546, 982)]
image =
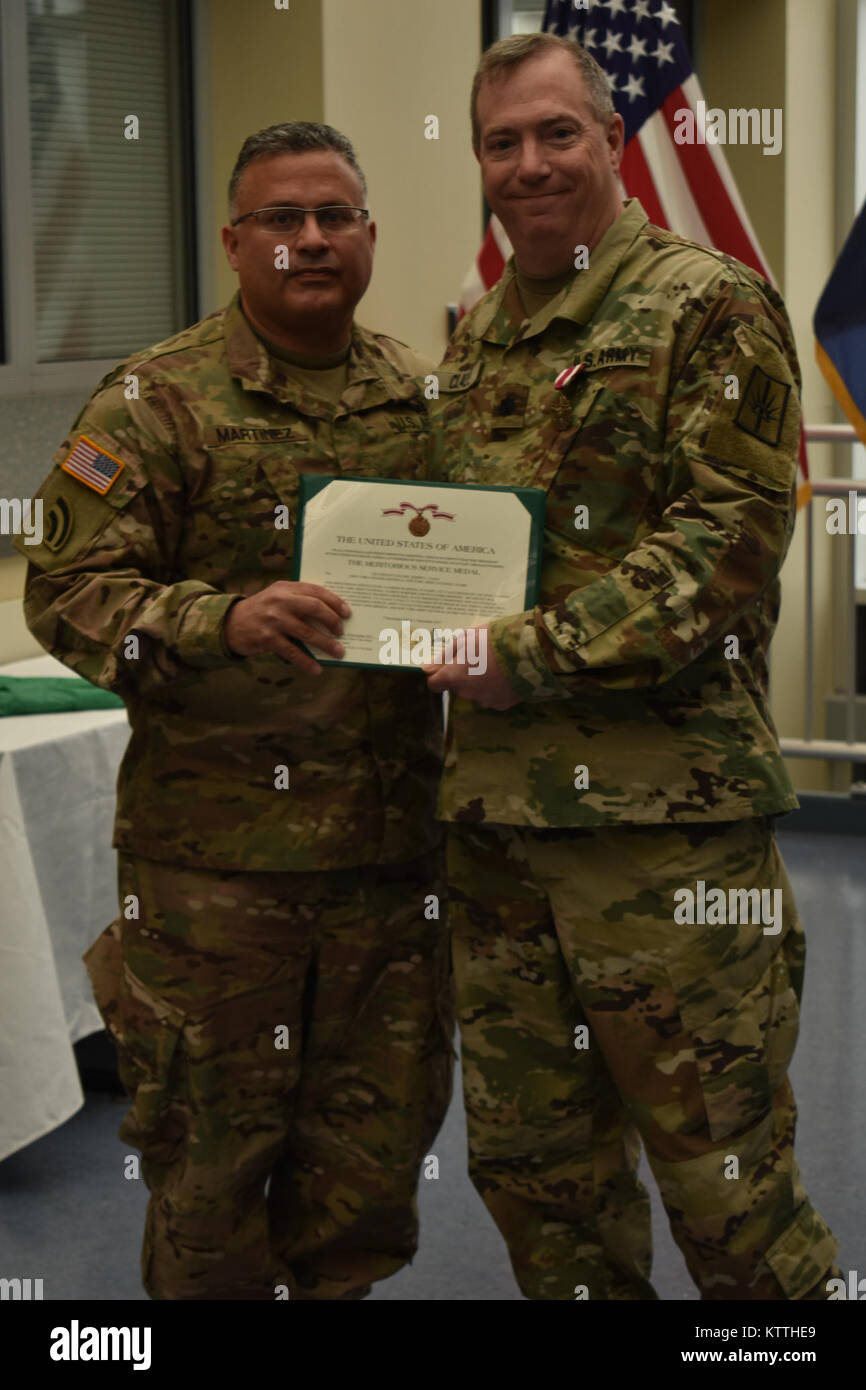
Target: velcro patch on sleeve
[(72, 518), (59, 521), (763, 406), (753, 421), (93, 466)]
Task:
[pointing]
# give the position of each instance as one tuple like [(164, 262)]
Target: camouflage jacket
[(212, 445), (670, 468)]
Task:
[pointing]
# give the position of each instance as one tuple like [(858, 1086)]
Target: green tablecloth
[(52, 695)]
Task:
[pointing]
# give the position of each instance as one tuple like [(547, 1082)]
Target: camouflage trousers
[(286, 1039), (592, 1020)]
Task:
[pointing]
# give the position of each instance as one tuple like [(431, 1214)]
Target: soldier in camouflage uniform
[(276, 982), (619, 749)]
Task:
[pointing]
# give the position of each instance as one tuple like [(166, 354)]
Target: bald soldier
[(627, 951), (276, 982)]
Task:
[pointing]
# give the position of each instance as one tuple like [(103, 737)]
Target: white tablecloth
[(58, 889)]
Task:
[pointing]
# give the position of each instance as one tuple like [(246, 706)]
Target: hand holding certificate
[(418, 563), (276, 620)]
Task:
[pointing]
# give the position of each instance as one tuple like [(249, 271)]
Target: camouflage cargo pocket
[(146, 1031), (739, 1008)]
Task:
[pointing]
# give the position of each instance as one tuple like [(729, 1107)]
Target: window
[(97, 204), (527, 16)]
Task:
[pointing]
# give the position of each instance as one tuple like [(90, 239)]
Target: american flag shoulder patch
[(92, 466)]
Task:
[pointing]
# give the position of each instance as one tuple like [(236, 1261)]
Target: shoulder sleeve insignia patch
[(58, 524), (92, 466), (762, 409)]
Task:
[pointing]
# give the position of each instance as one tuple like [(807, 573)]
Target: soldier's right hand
[(264, 624)]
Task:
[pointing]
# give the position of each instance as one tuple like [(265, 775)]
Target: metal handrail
[(839, 750), (831, 434)]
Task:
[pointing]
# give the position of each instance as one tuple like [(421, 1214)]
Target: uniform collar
[(371, 379), (500, 319)]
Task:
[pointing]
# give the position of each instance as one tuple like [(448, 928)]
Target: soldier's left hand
[(489, 688)]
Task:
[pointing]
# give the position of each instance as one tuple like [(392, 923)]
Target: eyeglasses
[(289, 221)]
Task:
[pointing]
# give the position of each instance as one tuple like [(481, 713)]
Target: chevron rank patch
[(92, 466), (762, 409)]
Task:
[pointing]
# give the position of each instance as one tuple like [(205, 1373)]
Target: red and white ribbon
[(568, 375)]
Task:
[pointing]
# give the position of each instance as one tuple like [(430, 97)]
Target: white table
[(58, 890)]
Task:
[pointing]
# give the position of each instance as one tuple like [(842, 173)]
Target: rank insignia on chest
[(559, 407), (559, 404)]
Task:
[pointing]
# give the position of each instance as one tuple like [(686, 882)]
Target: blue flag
[(840, 327)]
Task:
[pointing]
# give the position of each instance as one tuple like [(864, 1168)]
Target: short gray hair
[(292, 137), (510, 52)]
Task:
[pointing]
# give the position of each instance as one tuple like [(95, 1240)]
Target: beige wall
[(742, 63), (258, 65), (388, 65)]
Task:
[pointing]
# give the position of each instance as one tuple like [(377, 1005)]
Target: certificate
[(418, 563)]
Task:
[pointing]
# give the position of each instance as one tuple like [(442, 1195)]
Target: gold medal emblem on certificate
[(419, 525)]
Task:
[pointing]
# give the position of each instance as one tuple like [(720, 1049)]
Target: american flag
[(92, 465), (687, 188)]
